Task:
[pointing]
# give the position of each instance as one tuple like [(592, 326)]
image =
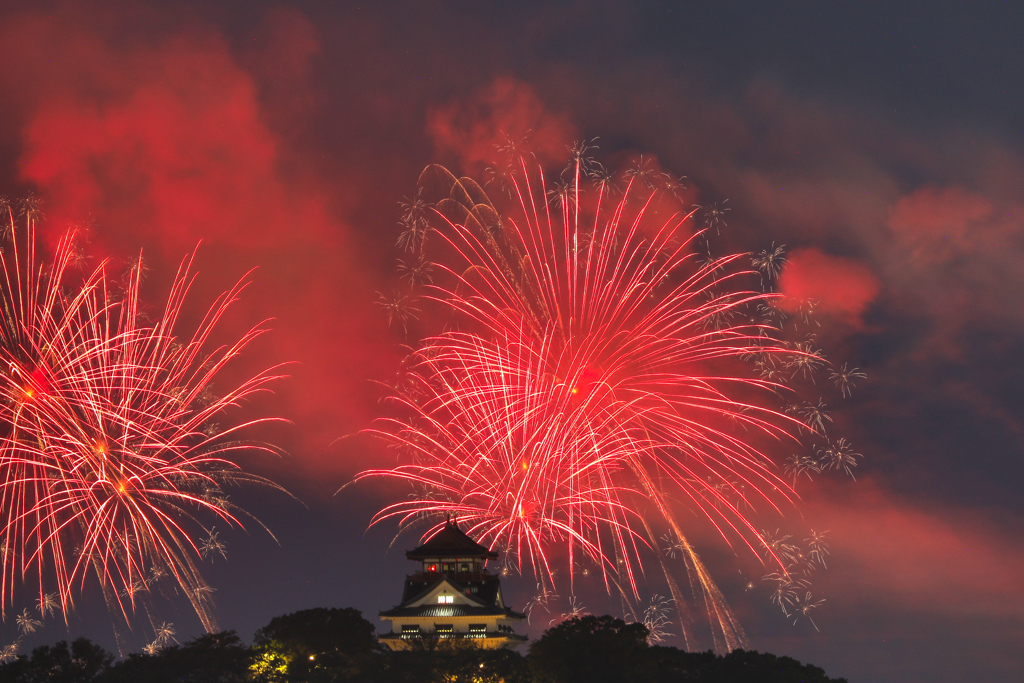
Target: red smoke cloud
[(909, 553), (180, 152), (505, 111), (839, 286), (938, 224), (926, 564), (169, 139)]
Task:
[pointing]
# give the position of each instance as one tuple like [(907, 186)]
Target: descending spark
[(807, 361), (818, 546), (815, 416), (576, 610), (9, 652), (213, 545), (562, 195), (805, 311), (165, 633), (771, 314), (776, 544), (714, 215), (839, 456), (748, 584), (770, 261), (415, 223), (672, 547), (47, 604), (643, 173), (603, 180), (399, 308), (542, 599), (674, 186), (30, 208), (417, 272), (802, 607), (656, 619), (843, 378), (798, 464), (137, 268), (787, 590), (580, 158), (134, 590), (27, 623)]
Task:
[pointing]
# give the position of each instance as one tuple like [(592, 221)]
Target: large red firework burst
[(110, 454), (596, 378)]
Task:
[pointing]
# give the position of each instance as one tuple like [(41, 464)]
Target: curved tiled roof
[(450, 541), (486, 587)]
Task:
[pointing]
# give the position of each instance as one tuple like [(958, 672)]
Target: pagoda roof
[(489, 604), (450, 541), (486, 592)]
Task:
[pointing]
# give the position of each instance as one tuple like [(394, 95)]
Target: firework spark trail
[(608, 330), (609, 340), (595, 363), (107, 456), (495, 440)]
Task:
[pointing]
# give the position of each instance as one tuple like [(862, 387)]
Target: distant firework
[(110, 450), (596, 377)]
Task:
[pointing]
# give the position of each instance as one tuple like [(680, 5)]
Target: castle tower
[(452, 595)]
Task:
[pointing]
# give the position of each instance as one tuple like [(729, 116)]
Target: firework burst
[(108, 459), (594, 382)]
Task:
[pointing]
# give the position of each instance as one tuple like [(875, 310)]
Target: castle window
[(444, 630), (410, 629), (478, 630), (464, 568), (445, 599)]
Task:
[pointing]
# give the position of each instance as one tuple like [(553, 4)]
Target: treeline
[(339, 646)]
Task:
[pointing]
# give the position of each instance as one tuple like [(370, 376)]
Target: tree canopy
[(593, 650), (81, 662), (316, 644), (340, 646)]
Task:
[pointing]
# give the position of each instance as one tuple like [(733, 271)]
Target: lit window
[(445, 599)]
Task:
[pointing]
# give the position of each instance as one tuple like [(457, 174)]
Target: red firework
[(597, 382), (109, 452)]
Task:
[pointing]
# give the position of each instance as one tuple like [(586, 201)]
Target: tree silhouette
[(593, 650)]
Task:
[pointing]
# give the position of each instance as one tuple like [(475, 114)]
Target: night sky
[(882, 143)]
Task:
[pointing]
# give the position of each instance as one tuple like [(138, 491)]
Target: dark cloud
[(504, 112)]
